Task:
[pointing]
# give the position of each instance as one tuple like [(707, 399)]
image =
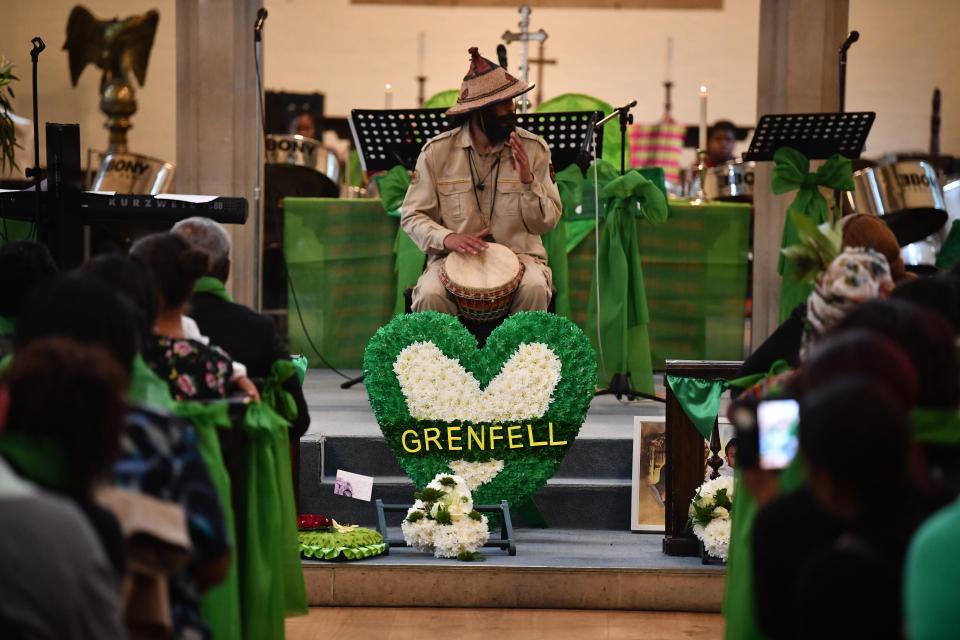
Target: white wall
[(154, 125)]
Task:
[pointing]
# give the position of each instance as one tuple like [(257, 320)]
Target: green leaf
[(415, 516), (443, 516), (475, 515), (447, 481), (429, 494)]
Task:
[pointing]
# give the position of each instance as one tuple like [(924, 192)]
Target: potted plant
[(8, 135)]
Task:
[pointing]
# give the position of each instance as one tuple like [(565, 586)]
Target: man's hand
[(471, 243), (520, 160)]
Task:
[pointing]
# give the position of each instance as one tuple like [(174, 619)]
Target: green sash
[(213, 286)]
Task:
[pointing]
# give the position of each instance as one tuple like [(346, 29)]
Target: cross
[(524, 37), (540, 61)]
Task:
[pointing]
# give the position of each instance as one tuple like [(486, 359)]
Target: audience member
[(23, 265), (930, 578), (243, 333), (56, 582), (194, 371), (940, 294)]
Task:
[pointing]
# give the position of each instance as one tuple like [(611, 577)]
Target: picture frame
[(648, 487)]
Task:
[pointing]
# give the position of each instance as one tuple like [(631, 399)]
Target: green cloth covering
[(570, 185), (579, 102), (340, 258), (271, 577), (213, 286), (623, 316), (147, 389), (442, 99), (301, 363), (393, 187), (936, 426), (7, 326), (15, 230), (274, 395), (930, 577), (219, 605), (950, 251), (792, 172), (355, 169), (700, 400), (409, 260), (745, 382), (39, 459)]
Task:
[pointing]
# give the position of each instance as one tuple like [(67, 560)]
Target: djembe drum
[(483, 285)]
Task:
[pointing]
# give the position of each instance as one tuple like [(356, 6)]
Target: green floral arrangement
[(324, 539), (710, 515), (817, 247), (501, 418), (443, 521), (8, 135)]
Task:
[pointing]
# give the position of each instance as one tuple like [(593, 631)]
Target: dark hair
[(129, 278), (732, 442), (174, 265), (23, 265), (72, 394), (458, 120), (866, 353), (722, 125), (924, 336), (80, 308), (940, 294), (854, 432)]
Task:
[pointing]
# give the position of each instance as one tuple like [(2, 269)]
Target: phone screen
[(778, 422)]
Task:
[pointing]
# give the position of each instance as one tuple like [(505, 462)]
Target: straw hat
[(486, 83)]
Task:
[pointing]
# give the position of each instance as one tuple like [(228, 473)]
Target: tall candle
[(388, 96), (421, 52), (669, 72), (703, 118)]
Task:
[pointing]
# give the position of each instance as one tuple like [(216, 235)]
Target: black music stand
[(816, 135), (385, 138)]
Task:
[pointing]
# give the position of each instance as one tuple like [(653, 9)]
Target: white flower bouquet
[(443, 521), (710, 515)]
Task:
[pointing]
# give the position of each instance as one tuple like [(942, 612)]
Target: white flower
[(716, 538), (721, 512), (475, 474), (446, 540)]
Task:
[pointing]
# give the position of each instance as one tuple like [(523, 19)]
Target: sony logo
[(135, 167)]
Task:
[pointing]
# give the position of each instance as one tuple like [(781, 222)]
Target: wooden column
[(217, 129), (799, 42)]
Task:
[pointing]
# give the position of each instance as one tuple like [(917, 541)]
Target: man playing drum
[(483, 181)]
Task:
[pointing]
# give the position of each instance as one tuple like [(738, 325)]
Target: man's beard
[(497, 128)]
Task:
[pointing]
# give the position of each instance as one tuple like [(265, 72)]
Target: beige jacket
[(441, 199)]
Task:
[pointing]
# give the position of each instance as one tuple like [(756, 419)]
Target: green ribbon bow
[(302, 364), (393, 187), (147, 389), (936, 426), (213, 286), (274, 395), (792, 172), (745, 382), (204, 415), (623, 313)]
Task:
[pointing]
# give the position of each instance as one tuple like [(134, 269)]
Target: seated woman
[(194, 371)]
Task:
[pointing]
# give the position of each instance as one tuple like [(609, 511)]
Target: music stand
[(385, 138), (816, 135)]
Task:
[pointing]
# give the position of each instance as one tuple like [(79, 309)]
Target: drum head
[(913, 225), (489, 271)]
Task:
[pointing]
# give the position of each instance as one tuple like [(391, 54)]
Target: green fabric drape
[(39, 459), (147, 389), (220, 605), (442, 99), (271, 578), (7, 326), (792, 172), (301, 363), (274, 395), (409, 261), (745, 382), (624, 318), (950, 251), (580, 102), (213, 286), (700, 400), (935, 426), (569, 184)]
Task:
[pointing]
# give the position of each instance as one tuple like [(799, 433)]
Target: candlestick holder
[(667, 106), (701, 197), (421, 86)]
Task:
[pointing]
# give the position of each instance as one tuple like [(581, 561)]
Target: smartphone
[(778, 424)]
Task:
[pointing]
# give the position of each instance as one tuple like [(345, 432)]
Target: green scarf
[(213, 286), (7, 326), (41, 460), (792, 173), (623, 312)]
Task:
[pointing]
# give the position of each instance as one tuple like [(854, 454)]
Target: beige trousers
[(533, 294)]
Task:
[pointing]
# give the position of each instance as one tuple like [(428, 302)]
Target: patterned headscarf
[(854, 277)]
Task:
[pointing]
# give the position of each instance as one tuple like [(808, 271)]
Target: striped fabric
[(657, 145)]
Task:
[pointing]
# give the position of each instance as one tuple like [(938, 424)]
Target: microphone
[(853, 37), (38, 46), (502, 55), (258, 25)]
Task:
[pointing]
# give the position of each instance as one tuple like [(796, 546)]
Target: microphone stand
[(626, 118), (261, 133), (36, 173), (842, 97)]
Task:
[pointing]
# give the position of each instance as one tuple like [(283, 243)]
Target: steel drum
[(132, 173), (300, 151), (730, 181), (906, 194)]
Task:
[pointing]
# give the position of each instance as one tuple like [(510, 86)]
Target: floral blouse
[(193, 370)]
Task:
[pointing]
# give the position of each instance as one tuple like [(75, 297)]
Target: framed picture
[(728, 450), (649, 485)]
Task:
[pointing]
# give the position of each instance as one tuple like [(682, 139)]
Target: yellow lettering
[(493, 436), (435, 438), (533, 441), (473, 436), (554, 443), (511, 436), (451, 438), (406, 448)]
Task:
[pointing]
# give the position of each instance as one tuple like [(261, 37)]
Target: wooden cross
[(540, 61)]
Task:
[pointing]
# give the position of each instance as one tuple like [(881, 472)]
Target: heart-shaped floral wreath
[(501, 417)]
